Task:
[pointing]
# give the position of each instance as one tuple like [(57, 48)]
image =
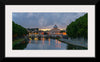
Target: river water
[(50, 44), (46, 44)]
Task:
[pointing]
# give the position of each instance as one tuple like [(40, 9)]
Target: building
[(33, 30), (54, 31)]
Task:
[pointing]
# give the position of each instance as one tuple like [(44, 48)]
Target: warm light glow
[(56, 41), (64, 33), (42, 33), (30, 33), (58, 33), (45, 29), (48, 29), (49, 41), (58, 44), (30, 41), (43, 39), (35, 38), (35, 33)]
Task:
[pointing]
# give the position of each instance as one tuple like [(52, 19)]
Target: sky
[(45, 20)]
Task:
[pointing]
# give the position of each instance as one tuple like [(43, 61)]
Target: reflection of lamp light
[(56, 41), (35, 38), (29, 41), (30, 38), (43, 41), (49, 41), (58, 44)]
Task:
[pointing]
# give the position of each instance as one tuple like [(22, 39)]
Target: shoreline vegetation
[(20, 43), (17, 41), (19, 33), (78, 28), (77, 31)]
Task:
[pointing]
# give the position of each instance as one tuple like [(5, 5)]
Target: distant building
[(33, 30), (54, 31), (57, 32)]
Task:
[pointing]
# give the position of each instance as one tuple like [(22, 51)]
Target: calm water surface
[(46, 44)]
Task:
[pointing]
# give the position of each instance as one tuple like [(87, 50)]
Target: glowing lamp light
[(64, 33), (35, 38), (42, 33)]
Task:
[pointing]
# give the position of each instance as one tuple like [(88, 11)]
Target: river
[(46, 44), (50, 44)]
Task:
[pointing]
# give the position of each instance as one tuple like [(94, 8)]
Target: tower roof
[(55, 26)]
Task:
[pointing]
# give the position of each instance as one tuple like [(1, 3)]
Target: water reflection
[(43, 39), (36, 40), (56, 41), (58, 44), (49, 41), (29, 41), (49, 44), (43, 43)]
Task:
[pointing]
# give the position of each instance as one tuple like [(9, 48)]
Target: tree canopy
[(78, 28), (18, 30)]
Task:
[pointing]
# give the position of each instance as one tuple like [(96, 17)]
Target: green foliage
[(20, 46), (18, 30), (78, 28), (17, 41)]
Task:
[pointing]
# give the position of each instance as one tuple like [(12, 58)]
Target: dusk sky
[(45, 20)]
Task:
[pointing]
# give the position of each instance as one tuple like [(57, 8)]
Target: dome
[(55, 26)]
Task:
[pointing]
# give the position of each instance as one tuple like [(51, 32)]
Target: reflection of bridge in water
[(47, 42), (45, 36)]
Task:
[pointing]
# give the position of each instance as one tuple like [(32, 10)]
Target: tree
[(78, 28), (18, 30)]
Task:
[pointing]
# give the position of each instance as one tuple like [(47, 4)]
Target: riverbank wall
[(76, 42)]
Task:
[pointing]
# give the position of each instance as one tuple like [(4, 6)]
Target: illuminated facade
[(54, 31)]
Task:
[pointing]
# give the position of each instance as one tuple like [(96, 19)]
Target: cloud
[(45, 20), (29, 14)]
